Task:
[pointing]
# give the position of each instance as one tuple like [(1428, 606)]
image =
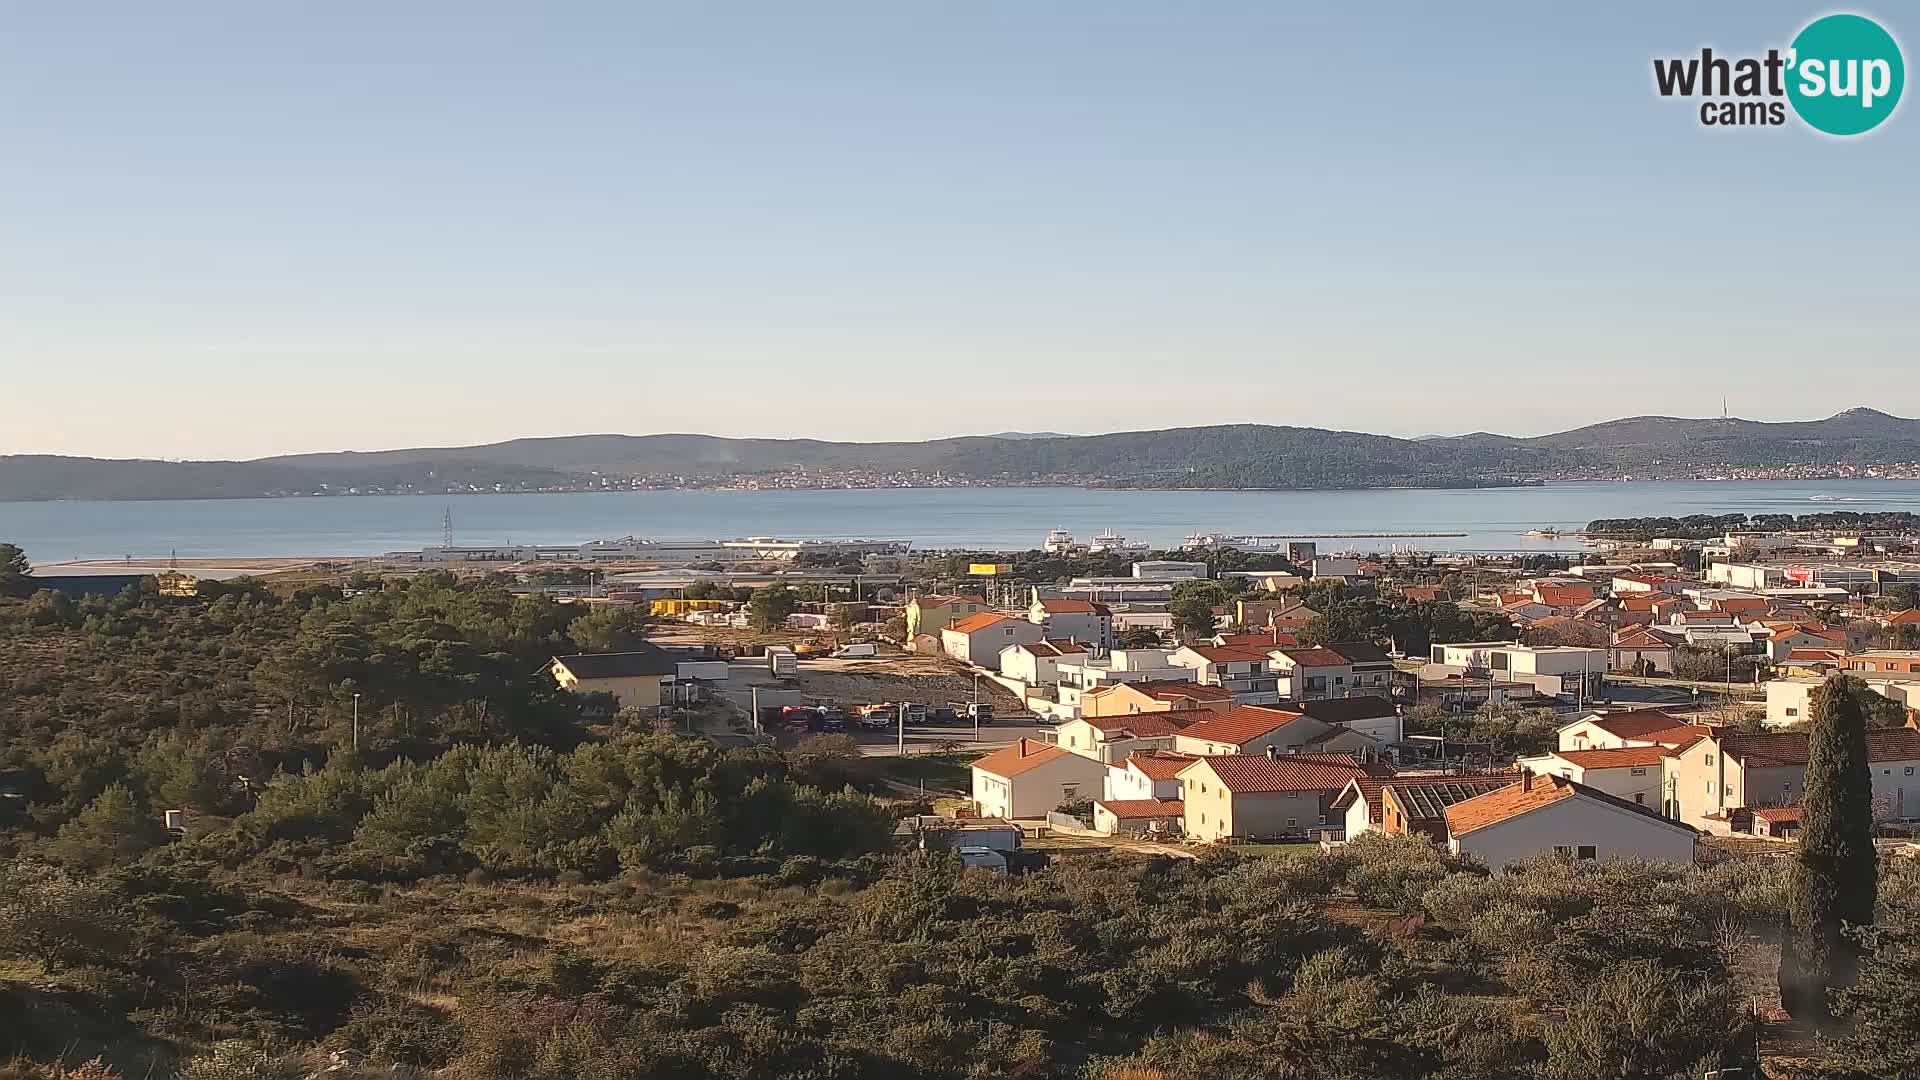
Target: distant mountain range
[(1250, 456)]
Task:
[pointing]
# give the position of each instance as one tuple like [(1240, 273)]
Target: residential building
[(1169, 570), (1250, 729), (933, 613), (1876, 661), (1112, 739), (1037, 663), (1154, 696), (1074, 620), (1634, 773), (1309, 673), (1270, 637), (1640, 651), (929, 832), (1147, 774), (1376, 717), (1790, 700), (1029, 779), (1784, 638), (1410, 805), (1257, 797), (1372, 669), (1624, 584), (1727, 771), (1247, 673), (1552, 669), (1639, 727), (1552, 814), (633, 678), (1152, 817), (978, 639)]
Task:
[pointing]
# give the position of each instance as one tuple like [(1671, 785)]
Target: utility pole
[(356, 724), (976, 706), (900, 744), (756, 710)]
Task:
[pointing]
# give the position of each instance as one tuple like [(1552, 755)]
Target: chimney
[(1526, 779), (1273, 752)]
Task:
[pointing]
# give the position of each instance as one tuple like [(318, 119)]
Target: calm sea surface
[(1492, 519)]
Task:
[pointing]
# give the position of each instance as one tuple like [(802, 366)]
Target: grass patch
[(1279, 851), (953, 772)]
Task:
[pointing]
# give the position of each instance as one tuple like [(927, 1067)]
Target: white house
[(1371, 715), (1554, 815), (1112, 738), (1312, 673), (1636, 774), (1257, 796), (1074, 620), (1641, 727), (1029, 779), (1410, 805), (1037, 663), (1790, 701), (1146, 774), (978, 639), (1247, 673), (1146, 816)]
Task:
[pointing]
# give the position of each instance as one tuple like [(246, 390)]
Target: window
[(1069, 792), (1709, 759), (1640, 798), (1791, 711), (1709, 787), (1562, 850), (1588, 851), (1637, 770)]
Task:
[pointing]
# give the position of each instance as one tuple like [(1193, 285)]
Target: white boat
[(1059, 542), (1202, 541), (1110, 541)]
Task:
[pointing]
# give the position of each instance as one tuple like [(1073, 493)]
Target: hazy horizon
[(246, 231)]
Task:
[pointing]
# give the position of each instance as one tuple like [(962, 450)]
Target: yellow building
[(931, 614), (633, 678)]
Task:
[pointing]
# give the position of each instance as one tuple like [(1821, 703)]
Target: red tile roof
[(1314, 657), (1638, 756), (1563, 595), (1159, 764), (1148, 725), (1071, 607), (1133, 809), (1774, 750), (1909, 617), (1010, 761), (1220, 654), (1510, 802), (973, 623), (1168, 691), (1263, 641), (1641, 639), (1445, 789), (1257, 774), (1638, 724), (1241, 724), (1777, 814)]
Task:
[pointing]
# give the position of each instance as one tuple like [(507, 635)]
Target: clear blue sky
[(239, 229)]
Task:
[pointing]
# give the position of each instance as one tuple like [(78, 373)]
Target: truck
[(971, 711), (782, 662)]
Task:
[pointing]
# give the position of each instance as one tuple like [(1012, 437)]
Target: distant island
[(1858, 442)]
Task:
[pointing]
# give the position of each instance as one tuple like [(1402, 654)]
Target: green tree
[(1835, 877), (1193, 617), (113, 827), (52, 917), (13, 572), (1884, 1004), (610, 628), (771, 605)]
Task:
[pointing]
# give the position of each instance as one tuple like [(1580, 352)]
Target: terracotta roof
[(1241, 724), (1314, 657), (1774, 750), (1516, 799), (981, 621), (1614, 759), (1641, 639), (1811, 631), (1149, 725), (1422, 593), (1159, 764), (1909, 617), (1742, 603), (1257, 774), (1268, 640), (1777, 814), (1563, 595), (1052, 647), (1637, 724), (1167, 691), (1818, 656), (1221, 654), (1071, 607), (1010, 761), (1343, 710), (1142, 808)]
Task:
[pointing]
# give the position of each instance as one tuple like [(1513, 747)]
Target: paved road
[(926, 739)]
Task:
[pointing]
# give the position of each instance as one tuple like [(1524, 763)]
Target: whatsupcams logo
[(1842, 75)]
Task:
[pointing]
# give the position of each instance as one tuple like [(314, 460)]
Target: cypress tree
[(1835, 877)]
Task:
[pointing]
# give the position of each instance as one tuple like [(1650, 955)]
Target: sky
[(238, 229)]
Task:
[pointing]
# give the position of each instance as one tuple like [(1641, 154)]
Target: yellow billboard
[(990, 569)]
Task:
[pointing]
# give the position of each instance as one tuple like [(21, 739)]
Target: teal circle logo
[(1845, 74)]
